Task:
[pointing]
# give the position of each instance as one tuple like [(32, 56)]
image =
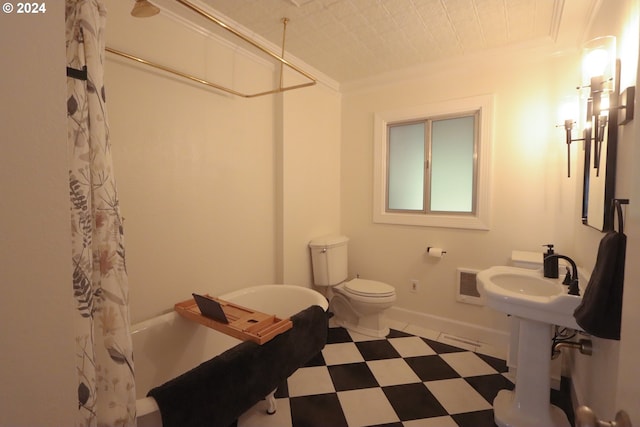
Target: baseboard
[(496, 339)]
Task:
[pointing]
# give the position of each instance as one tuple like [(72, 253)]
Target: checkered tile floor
[(403, 380)]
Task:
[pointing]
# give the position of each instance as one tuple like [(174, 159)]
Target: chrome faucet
[(574, 289)]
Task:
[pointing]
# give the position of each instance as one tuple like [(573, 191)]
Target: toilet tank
[(329, 260)]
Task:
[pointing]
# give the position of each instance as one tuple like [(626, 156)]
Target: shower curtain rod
[(236, 33)]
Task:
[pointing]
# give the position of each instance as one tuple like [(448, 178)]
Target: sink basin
[(528, 294), (537, 303), (527, 285)]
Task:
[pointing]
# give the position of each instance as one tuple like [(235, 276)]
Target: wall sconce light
[(600, 91), (599, 77), (569, 114)]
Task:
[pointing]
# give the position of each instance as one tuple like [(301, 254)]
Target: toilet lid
[(369, 288)]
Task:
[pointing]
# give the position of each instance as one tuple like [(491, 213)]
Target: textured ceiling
[(354, 39)]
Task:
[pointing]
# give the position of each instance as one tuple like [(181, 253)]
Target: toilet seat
[(369, 288)]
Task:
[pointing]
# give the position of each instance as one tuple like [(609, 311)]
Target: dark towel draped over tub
[(600, 312), (218, 391)]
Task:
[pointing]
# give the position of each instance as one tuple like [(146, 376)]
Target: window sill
[(445, 221)]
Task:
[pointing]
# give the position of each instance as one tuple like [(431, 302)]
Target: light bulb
[(599, 57)]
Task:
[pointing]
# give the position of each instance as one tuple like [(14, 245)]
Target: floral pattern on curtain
[(106, 387)]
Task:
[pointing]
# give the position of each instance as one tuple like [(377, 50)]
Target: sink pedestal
[(537, 302), (528, 405)]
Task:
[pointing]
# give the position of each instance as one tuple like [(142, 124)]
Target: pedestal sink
[(538, 303)]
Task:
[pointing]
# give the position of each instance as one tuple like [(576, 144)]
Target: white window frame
[(478, 221)]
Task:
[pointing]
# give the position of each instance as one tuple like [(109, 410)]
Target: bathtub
[(169, 345)]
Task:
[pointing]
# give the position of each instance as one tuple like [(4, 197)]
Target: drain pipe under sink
[(583, 345)]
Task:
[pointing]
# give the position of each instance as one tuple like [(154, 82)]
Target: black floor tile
[(497, 364), (489, 385), (413, 401), (318, 410), (440, 348), (475, 419), (352, 376), (410, 401), (431, 368), (338, 335), (317, 360), (394, 333), (377, 350)]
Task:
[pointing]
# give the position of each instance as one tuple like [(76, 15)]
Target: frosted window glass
[(406, 167), (452, 164), (439, 151)]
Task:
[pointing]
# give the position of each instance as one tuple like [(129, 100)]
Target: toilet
[(357, 304)]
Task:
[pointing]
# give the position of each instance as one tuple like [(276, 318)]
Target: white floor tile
[(511, 376), (490, 350), (431, 422), (457, 396), (392, 372), (312, 380), (411, 346), (257, 416), (468, 364), (347, 352), (366, 407)]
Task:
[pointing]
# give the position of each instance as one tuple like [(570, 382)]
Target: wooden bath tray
[(244, 323)]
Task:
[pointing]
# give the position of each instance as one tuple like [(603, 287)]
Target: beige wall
[(310, 167), (531, 197), (218, 192), (37, 360)]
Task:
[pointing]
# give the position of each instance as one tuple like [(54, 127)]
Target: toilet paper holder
[(437, 252)]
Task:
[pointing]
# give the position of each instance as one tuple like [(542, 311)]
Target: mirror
[(599, 182), (599, 185)]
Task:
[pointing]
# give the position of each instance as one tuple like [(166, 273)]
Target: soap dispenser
[(550, 265)]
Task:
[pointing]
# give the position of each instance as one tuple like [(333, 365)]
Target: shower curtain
[(104, 354)]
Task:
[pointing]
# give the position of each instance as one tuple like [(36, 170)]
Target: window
[(432, 165)]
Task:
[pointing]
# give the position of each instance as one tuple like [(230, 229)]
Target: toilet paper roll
[(435, 252)]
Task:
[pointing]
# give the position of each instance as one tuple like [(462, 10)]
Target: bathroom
[(219, 190)]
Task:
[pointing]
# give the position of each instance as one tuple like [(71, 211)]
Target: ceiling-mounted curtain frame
[(238, 34)]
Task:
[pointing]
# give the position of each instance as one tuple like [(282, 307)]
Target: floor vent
[(467, 287)]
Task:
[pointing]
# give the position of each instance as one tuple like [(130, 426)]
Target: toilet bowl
[(358, 304)]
